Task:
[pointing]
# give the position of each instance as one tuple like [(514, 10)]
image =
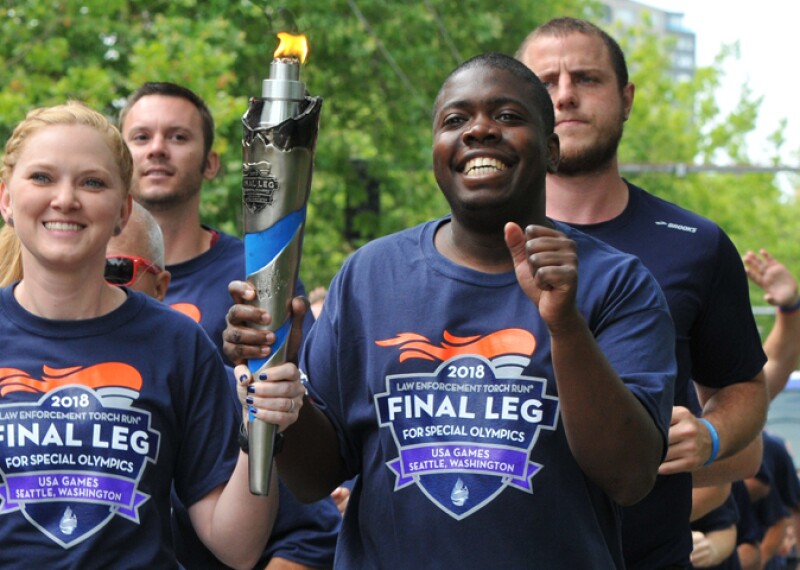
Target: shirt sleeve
[(209, 450), (725, 344)]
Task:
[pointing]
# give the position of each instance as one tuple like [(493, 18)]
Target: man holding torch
[(499, 382)]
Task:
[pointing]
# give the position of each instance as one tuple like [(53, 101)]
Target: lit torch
[(280, 133)]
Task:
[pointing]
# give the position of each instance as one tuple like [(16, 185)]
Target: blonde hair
[(72, 113), (10, 256)]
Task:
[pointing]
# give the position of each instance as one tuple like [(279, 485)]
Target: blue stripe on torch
[(262, 247)]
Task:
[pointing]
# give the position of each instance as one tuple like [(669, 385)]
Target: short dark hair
[(562, 27), (168, 89), (518, 69)]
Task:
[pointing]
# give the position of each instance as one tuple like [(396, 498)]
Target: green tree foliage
[(680, 122), (377, 64)]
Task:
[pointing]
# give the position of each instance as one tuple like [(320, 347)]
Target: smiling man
[(490, 382), (170, 133)]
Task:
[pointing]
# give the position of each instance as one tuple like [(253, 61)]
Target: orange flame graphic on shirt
[(188, 309), (96, 376), (506, 341)]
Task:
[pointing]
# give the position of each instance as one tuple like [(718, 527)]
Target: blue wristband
[(714, 441), (790, 308)]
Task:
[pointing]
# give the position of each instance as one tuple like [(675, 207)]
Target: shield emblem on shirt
[(73, 459), (464, 433)]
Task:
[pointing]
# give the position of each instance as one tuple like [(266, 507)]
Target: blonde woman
[(107, 398)]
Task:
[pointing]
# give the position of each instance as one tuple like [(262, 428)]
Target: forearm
[(237, 525), (722, 544), (783, 351), (310, 463), (749, 556), (737, 412), (772, 540), (610, 433), (741, 465), (706, 499), (717, 546)]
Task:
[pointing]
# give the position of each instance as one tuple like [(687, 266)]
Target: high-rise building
[(630, 13)]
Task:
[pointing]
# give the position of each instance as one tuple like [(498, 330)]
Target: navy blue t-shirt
[(777, 470), (747, 531), (717, 344), (98, 419), (777, 467), (199, 286), (439, 381), (747, 528)]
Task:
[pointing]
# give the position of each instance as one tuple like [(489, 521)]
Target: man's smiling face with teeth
[(491, 151), (482, 165)]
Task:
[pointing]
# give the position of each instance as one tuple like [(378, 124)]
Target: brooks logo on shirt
[(680, 227)]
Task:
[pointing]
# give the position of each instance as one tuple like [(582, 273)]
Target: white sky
[(769, 40)]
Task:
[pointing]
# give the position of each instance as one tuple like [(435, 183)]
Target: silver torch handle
[(280, 133)]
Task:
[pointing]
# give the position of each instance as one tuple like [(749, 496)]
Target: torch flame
[(292, 46)]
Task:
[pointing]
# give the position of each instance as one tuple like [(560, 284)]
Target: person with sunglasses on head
[(135, 258), (108, 399)]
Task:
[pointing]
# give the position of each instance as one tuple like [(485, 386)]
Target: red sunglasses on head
[(125, 269)]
